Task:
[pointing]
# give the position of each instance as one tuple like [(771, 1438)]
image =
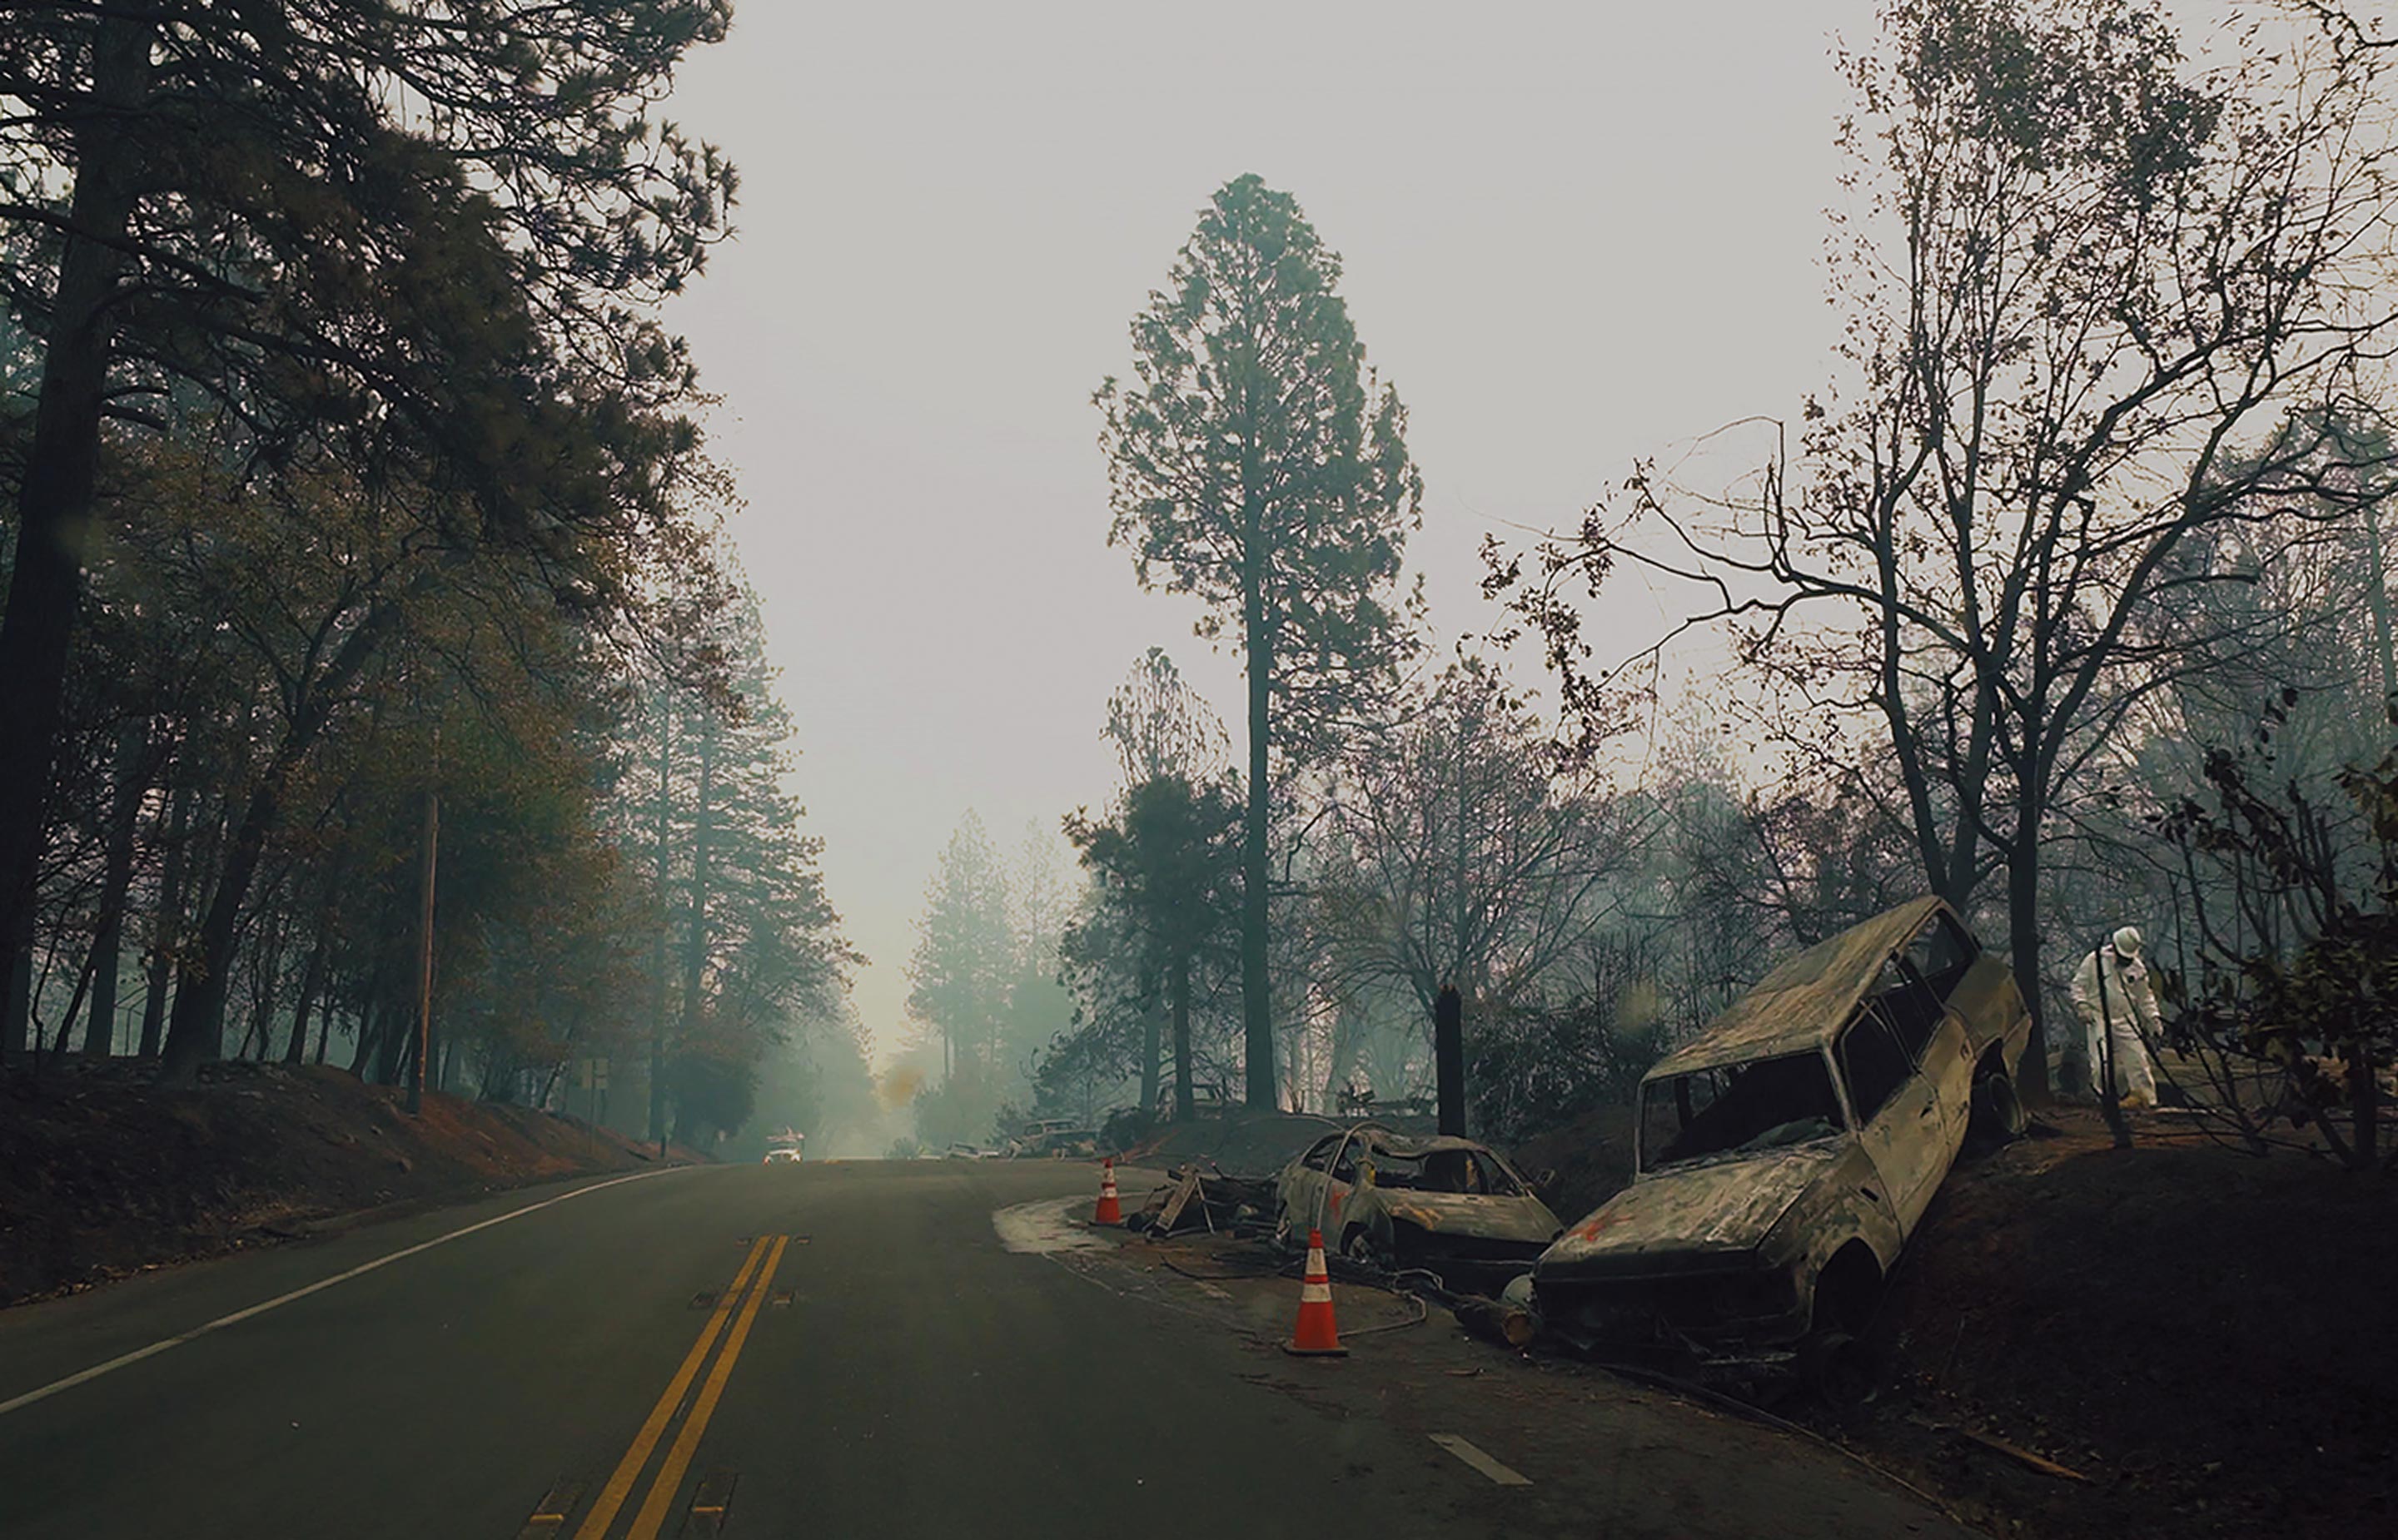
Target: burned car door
[(1977, 986), (1338, 1183), (1935, 1038), (1303, 1188), (1899, 1118)]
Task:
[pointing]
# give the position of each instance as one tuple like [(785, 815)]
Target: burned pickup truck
[(1450, 1206), (1784, 1155)]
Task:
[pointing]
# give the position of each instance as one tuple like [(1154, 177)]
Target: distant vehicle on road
[(1066, 1143), (1053, 1138), (1031, 1138), (1356, 1101), (779, 1157), (968, 1152), (1784, 1156)]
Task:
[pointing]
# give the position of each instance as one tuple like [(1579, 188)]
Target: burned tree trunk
[(2023, 935), (1181, 997), (370, 1018), (1151, 1045), (124, 805), (61, 466), (17, 1003), (194, 1033), (265, 962), (312, 982), (1449, 1059), (165, 930)]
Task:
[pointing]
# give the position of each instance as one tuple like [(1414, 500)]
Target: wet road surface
[(827, 1350)]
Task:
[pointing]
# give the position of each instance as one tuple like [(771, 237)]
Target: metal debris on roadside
[(1494, 1320), (1201, 1196)]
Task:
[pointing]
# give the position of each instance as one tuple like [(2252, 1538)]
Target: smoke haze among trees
[(373, 543)]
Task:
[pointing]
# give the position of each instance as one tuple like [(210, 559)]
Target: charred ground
[(108, 1174)]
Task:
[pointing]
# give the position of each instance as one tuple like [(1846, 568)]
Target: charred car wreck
[(1784, 1155), (1448, 1205)]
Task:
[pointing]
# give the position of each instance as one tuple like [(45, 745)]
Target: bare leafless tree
[(2100, 300), (1461, 858)]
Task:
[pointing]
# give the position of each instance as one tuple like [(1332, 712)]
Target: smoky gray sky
[(1573, 234)]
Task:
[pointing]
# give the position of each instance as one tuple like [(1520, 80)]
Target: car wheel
[(1836, 1367), (1358, 1246), (1997, 1113)]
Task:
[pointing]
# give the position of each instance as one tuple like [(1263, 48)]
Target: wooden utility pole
[(425, 949)]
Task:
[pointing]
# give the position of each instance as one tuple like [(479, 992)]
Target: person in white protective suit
[(2128, 1007)]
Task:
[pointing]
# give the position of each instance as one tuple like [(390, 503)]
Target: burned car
[(1448, 1205), (1784, 1155), (1052, 1138)]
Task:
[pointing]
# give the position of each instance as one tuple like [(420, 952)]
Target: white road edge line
[(1455, 1443), (96, 1371)]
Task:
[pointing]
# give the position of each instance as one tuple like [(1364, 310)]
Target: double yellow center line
[(739, 1305)]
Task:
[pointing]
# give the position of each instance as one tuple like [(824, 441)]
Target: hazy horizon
[(1569, 239)]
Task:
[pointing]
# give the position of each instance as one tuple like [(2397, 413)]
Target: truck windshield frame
[(1717, 1112)]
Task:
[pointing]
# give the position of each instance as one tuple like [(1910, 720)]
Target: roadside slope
[(2199, 1334), (102, 1175)]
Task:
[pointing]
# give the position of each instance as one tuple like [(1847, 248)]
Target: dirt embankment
[(104, 1175), (1581, 1165), (2206, 1336), (2204, 1341)]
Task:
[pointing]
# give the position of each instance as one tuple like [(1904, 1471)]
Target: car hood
[(1482, 1215), (1692, 1218)]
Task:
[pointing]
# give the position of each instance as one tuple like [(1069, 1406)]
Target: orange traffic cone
[(1109, 1212), (1315, 1336)]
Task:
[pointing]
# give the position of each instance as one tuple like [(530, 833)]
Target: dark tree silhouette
[(1255, 462)]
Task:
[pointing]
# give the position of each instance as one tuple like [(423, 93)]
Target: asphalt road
[(842, 1350)]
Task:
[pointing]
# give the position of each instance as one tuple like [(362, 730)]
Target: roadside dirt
[(104, 1175), (1602, 1455), (2206, 1336)]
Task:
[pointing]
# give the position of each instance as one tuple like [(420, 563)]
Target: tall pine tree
[(1254, 460)]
